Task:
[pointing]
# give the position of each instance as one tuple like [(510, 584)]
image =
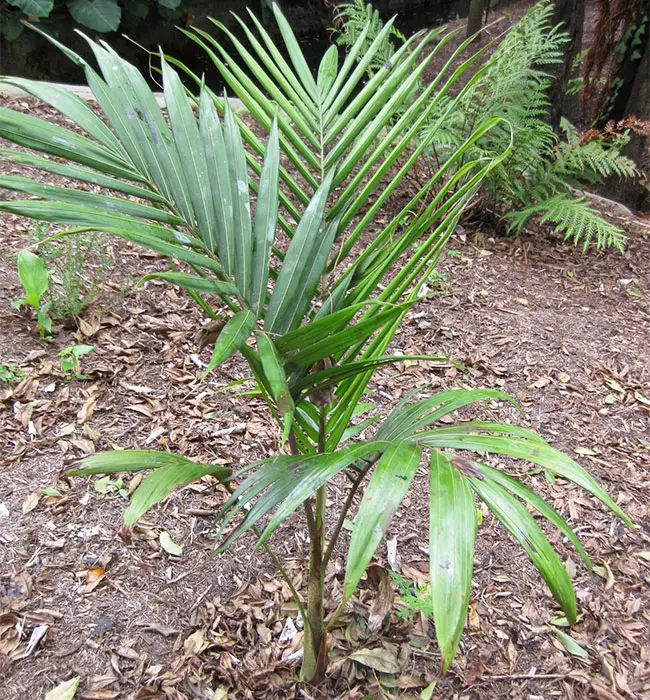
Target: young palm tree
[(312, 316)]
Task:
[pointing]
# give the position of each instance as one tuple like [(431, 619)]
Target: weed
[(70, 360), (415, 597), (35, 280), (77, 266), (10, 374)]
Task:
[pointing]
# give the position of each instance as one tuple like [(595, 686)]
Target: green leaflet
[(104, 203), (406, 419), (535, 451), (382, 496), (277, 380), (327, 71), (77, 172), (41, 136), (241, 204), (452, 531), (522, 526), (295, 285), (266, 217), (128, 461), (233, 335), (74, 108), (518, 489), (161, 482), (194, 283), (317, 381)]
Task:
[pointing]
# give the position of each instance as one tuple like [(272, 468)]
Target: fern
[(351, 19), (536, 179), (574, 218), (591, 161)]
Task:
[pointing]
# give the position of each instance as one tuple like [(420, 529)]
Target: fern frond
[(593, 161), (573, 217), (351, 19)]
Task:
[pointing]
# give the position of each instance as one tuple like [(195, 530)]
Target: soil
[(566, 334)]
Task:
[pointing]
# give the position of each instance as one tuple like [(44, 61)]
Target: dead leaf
[(168, 544), (195, 643), (381, 659), (165, 630), (87, 410), (37, 634), (30, 502), (64, 691), (394, 559), (382, 605), (90, 327), (93, 578)]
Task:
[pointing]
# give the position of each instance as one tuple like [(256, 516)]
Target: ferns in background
[(540, 177), (351, 19)]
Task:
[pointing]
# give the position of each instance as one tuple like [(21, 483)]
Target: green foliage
[(415, 597), (71, 360), (310, 305), (98, 15), (540, 176), (352, 19), (10, 374), (35, 280), (76, 265)]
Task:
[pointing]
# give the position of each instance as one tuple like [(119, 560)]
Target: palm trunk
[(314, 662)]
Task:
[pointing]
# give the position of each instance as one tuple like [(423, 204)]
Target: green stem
[(314, 663), (344, 511)]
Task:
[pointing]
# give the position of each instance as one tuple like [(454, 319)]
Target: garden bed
[(565, 334)]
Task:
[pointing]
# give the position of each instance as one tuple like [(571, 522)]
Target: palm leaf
[(522, 526), (452, 530), (382, 496)]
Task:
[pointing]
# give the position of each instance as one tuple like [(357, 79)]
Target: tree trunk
[(636, 192), (571, 14), (625, 78), (475, 17)]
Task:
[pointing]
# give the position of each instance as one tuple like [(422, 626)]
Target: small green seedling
[(34, 277), (107, 486), (10, 374), (70, 357), (415, 597)]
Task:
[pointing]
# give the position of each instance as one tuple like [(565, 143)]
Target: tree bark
[(475, 17), (627, 72), (571, 15)]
